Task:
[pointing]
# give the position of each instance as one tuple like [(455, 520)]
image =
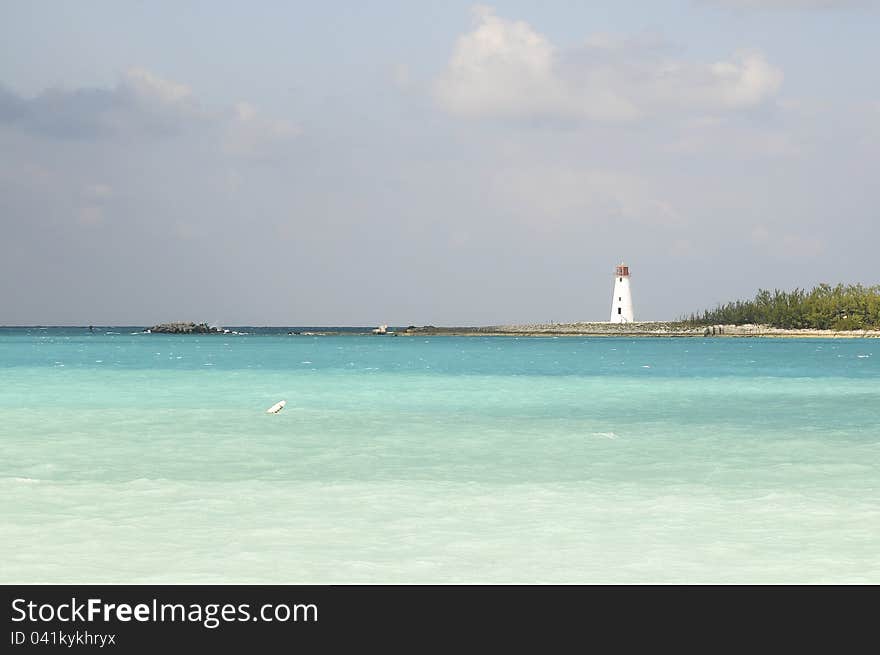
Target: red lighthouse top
[(622, 270)]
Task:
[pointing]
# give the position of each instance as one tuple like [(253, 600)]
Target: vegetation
[(843, 307)]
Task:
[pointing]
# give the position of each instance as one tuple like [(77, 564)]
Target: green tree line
[(842, 307)]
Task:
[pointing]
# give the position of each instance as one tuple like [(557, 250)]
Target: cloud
[(787, 245), (546, 196), (248, 133), (141, 104), (504, 68), (735, 138), (12, 107), (82, 113), (152, 88)]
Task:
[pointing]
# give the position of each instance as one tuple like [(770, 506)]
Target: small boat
[(277, 407), (382, 329)]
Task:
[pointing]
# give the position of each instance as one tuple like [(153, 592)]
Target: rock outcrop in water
[(182, 327)]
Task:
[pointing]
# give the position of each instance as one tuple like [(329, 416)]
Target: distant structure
[(621, 301)]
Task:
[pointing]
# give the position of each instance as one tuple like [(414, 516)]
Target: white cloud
[(505, 68), (747, 80), (546, 195), (250, 134), (734, 138), (787, 245), (151, 87)]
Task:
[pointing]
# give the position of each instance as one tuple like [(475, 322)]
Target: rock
[(182, 327)]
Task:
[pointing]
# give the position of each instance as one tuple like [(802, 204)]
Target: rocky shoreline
[(637, 329)]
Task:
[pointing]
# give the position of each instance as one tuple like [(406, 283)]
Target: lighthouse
[(621, 301)]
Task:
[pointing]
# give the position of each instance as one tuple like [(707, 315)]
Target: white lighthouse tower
[(621, 301)]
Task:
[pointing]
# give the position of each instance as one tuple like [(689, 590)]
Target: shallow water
[(130, 457)]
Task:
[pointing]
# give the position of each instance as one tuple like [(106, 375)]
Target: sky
[(351, 163)]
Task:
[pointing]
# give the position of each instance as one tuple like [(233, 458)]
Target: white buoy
[(621, 301), (277, 407)]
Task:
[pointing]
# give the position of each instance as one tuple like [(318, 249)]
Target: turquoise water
[(150, 458)]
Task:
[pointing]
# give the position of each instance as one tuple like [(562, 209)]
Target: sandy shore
[(639, 329)]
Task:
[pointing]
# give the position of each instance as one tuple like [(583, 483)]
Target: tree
[(843, 307)]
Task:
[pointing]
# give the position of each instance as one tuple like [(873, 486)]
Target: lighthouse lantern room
[(621, 301)]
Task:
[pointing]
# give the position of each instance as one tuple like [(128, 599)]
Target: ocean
[(150, 458)]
